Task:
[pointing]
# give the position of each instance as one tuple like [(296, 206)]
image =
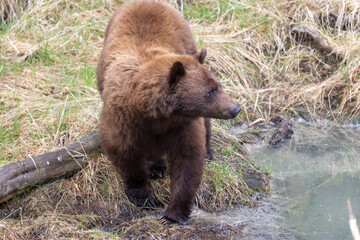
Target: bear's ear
[(201, 55), (176, 72)]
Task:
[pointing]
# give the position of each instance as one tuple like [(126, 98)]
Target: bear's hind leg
[(133, 170), (156, 166)]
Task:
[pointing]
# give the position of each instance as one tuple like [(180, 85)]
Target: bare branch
[(303, 30)]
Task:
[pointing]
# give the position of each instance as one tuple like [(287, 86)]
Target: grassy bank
[(48, 97)]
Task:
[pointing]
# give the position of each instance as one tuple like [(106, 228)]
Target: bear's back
[(138, 31), (149, 24)]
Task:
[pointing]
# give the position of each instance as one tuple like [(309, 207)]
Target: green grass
[(43, 56), (9, 139), (229, 150), (239, 14)]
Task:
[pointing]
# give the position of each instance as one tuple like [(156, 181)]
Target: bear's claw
[(167, 221), (156, 170), (159, 172)]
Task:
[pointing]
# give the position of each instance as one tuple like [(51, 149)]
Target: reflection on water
[(316, 172), (263, 222)]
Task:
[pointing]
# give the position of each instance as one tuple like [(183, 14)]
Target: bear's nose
[(235, 110)]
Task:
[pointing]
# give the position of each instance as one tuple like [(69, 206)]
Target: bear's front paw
[(141, 197)]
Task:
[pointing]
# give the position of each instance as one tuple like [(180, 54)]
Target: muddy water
[(314, 174)]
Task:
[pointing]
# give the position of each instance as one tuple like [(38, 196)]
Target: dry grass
[(47, 72), (270, 71), (48, 98), (92, 205), (11, 9)]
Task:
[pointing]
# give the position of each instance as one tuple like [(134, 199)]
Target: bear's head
[(197, 91)]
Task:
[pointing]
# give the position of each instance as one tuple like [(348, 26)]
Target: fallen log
[(18, 176)]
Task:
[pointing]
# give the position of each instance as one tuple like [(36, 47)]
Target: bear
[(158, 99)]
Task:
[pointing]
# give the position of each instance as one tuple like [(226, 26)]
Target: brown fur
[(156, 94)]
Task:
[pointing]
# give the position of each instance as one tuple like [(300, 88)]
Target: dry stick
[(18, 176), (320, 42), (352, 222)]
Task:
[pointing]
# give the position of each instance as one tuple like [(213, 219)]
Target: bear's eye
[(211, 92)]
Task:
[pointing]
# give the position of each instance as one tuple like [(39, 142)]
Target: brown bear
[(158, 100)]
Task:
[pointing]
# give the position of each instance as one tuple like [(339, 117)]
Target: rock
[(284, 131), (255, 180)]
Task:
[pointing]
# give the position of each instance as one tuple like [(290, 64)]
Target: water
[(264, 222), (314, 174)]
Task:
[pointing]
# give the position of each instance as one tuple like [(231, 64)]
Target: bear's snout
[(228, 111), (231, 112), (235, 111)]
